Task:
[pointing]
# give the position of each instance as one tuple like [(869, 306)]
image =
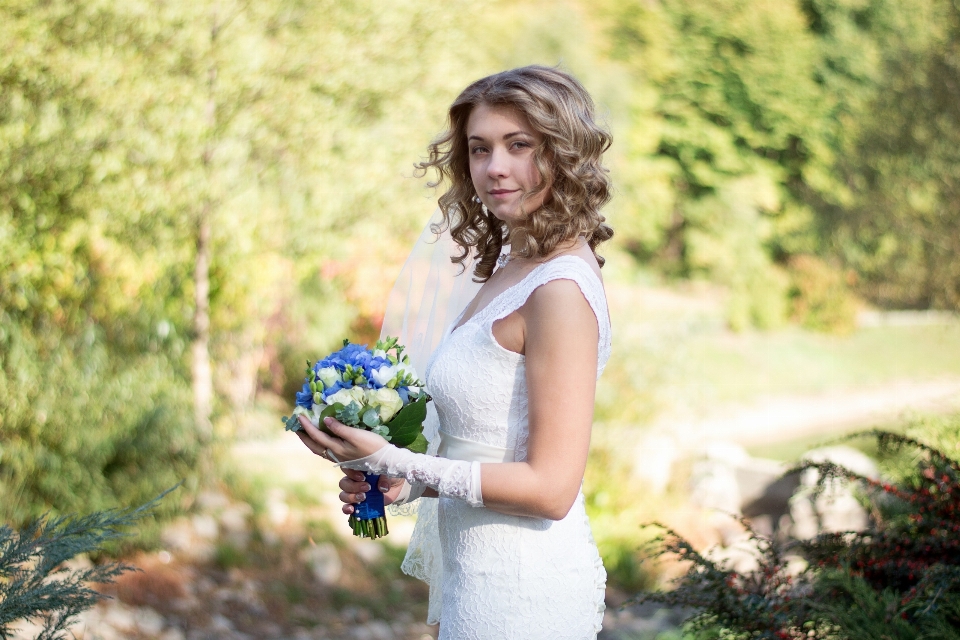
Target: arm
[(560, 345), (559, 333)]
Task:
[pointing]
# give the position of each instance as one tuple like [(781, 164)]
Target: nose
[(497, 167)]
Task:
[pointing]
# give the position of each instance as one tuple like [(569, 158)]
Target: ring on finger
[(328, 454)]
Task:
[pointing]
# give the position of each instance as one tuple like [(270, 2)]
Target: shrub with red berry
[(899, 579)]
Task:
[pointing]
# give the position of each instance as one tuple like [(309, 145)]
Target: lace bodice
[(491, 581)]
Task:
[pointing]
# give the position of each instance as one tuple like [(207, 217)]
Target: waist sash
[(454, 448)]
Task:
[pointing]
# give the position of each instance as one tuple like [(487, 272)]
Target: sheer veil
[(429, 295)]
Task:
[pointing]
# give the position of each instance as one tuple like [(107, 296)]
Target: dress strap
[(562, 268)]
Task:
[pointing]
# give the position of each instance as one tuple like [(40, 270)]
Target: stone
[(324, 562), (368, 550), (654, 458), (277, 508), (148, 621), (740, 556), (714, 486), (212, 501), (180, 537), (220, 623), (373, 630), (119, 616), (836, 508), (205, 526)]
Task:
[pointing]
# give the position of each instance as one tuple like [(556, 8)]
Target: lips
[(502, 192)]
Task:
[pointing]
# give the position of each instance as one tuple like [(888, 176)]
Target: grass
[(740, 367), (672, 350)]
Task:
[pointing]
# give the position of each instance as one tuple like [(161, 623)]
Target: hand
[(354, 485), (346, 443)]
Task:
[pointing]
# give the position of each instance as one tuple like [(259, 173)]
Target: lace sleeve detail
[(451, 478)]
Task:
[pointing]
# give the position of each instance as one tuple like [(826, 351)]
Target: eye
[(520, 144), (478, 149)]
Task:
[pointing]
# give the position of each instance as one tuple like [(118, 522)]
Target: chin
[(506, 214)]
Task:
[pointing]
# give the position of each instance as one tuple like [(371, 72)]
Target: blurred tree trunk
[(201, 370)]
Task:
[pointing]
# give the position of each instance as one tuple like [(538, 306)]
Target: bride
[(514, 377)]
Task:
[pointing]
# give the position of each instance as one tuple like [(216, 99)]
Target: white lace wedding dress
[(510, 577)]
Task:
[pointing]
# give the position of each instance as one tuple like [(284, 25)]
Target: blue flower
[(355, 355), (404, 395), (332, 389), (305, 397)]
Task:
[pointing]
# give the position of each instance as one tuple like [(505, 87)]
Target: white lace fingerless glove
[(452, 478)]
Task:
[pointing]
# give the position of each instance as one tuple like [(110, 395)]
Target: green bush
[(898, 580), (88, 428), (820, 297)]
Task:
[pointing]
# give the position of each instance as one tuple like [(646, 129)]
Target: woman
[(513, 379)]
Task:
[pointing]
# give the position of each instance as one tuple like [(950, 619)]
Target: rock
[(373, 630), (653, 462), (119, 616), (26, 629), (220, 623), (234, 522), (714, 486), (740, 556), (324, 562), (148, 621), (846, 457), (181, 537), (368, 550), (205, 527), (212, 501), (835, 509), (277, 508)]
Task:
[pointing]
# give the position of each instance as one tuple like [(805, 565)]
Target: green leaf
[(419, 445), (349, 415), (371, 418), (408, 423), (291, 423), (329, 412)]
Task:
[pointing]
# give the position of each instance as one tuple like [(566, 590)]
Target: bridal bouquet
[(373, 389)]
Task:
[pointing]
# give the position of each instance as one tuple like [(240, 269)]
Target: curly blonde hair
[(561, 110)]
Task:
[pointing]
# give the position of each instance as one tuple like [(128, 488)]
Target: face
[(501, 144)]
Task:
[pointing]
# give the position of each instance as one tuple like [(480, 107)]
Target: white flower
[(387, 402), (379, 353), (328, 376), (346, 396), (383, 375)]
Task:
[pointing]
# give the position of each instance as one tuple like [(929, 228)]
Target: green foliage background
[(796, 151)]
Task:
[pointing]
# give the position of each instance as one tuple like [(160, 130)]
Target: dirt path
[(786, 418)]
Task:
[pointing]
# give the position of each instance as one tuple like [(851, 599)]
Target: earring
[(483, 207)]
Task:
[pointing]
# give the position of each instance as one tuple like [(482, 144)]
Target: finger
[(313, 446), (351, 498), (352, 486), (353, 474), (348, 509), (339, 429), (325, 441)]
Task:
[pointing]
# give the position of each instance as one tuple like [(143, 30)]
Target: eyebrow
[(512, 134)]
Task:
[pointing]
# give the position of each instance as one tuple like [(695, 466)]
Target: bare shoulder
[(560, 305)]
